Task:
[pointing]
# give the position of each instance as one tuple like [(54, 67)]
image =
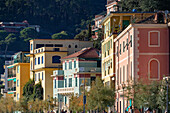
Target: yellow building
[(113, 24), (45, 55), (18, 74)]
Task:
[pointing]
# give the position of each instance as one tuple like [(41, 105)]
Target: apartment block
[(17, 74), (45, 57), (79, 68)]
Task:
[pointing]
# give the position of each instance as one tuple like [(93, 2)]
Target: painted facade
[(18, 74), (80, 66), (45, 55), (142, 53), (113, 24)]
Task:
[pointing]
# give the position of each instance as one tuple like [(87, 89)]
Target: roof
[(85, 53), (60, 40)]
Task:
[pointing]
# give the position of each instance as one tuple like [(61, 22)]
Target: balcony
[(12, 89), (64, 91), (88, 69), (11, 75)]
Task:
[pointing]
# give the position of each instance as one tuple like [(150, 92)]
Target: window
[(154, 38), (127, 73), (123, 73), (56, 59), (17, 96), (42, 59), (75, 46), (76, 81), (39, 46), (117, 51), (31, 65), (70, 65), (154, 69), (130, 40), (17, 69), (120, 49), (109, 25), (69, 46), (131, 70), (49, 45), (127, 44), (117, 77), (70, 82), (65, 100), (38, 60), (123, 46), (35, 77), (42, 76), (65, 82), (65, 65), (17, 83), (55, 83), (58, 45), (31, 47), (120, 75), (39, 76), (35, 61), (105, 29), (56, 49), (74, 64)]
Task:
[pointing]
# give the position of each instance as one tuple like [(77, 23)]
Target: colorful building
[(142, 53), (112, 6), (113, 24), (45, 55), (77, 67), (17, 26), (18, 74)]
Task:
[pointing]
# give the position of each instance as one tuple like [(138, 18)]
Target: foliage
[(28, 90), (161, 99), (61, 35), (145, 5), (51, 15), (28, 34), (97, 43), (38, 91), (149, 95), (83, 35), (100, 97)]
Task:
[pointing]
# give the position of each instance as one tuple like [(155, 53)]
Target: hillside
[(51, 15)]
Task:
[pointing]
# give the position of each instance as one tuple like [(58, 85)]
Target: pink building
[(142, 53)]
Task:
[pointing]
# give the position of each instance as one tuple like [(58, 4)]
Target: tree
[(161, 99), (28, 90), (38, 91), (28, 34), (83, 35), (100, 97), (8, 40), (61, 35), (97, 43)]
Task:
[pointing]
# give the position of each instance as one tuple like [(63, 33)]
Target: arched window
[(154, 72), (69, 46), (75, 46), (56, 59)]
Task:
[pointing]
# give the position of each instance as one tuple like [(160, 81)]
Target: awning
[(10, 92), (10, 79), (14, 79), (10, 67)]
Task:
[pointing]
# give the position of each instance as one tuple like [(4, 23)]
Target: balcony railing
[(12, 89), (11, 75), (66, 90)]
